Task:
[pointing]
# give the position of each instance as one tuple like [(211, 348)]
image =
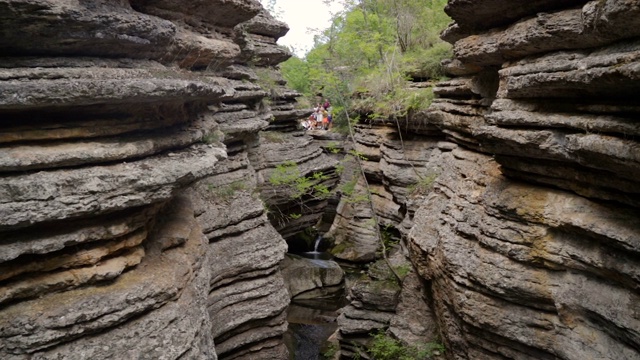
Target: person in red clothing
[(326, 104)]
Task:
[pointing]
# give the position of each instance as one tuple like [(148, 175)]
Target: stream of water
[(311, 322), (309, 328)]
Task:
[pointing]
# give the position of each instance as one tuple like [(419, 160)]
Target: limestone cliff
[(516, 193), (131, 163)]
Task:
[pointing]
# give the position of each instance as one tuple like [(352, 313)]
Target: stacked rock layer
[(516, 192), (131, 224), (534, 253)]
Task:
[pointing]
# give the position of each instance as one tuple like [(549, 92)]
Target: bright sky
[(305, 18)]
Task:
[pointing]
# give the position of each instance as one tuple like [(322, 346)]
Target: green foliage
[(273, 136), (358, 154), (369, 51), (417, 99), (387, 236), (332, 147), (285, 173), (296, 72), (330, 351), (226, 191), (427, 62), (212, 137), (423, 185), (349, 193), (403, 270), (385, 347), (288, 176), (295, 216), (349, 187)]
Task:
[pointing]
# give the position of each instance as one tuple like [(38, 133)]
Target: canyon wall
[(516, 194), (138, 220), (131, 168)]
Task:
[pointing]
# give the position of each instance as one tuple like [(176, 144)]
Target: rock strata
[(519, 209), (128, 130)]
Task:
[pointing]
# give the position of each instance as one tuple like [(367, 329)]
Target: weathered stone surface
[(130, 109), (597, 23), (458, 68), (244, 313), (267, 25), (311, 278), (247, 297), (514, 113), (355, 321), (485, 14), (89, 256), (263, 50), (60, 194), (100, 320), (526, 238), (56, 87), (608, 72), (413, 322), (353, 231), (48, 239), (226, 13), (487, 248), (42, 156), (93, 28), (376, 294), (305, 159)]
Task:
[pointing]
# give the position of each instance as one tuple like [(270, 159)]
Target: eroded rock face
[(527, 236), (70, 309), (126, 135), (519, 250)]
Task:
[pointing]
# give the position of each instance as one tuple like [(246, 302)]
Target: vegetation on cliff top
[(363, 60)]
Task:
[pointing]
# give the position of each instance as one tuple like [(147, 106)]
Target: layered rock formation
[(522, 216), (130, 221)]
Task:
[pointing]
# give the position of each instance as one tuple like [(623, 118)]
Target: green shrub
[(332, 147), (426, 62), (384, 347), (423, 185), (273, 137), (213, 137), (330, 351), (227, 191), (288, 176)]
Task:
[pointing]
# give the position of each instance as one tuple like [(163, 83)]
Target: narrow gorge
[(148, 150)]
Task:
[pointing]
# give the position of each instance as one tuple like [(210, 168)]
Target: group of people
[(321, 117)]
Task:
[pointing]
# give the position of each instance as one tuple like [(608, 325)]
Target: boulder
[(311, 278)]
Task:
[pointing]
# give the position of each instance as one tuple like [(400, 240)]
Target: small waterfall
[(316, 253), (318, 240)]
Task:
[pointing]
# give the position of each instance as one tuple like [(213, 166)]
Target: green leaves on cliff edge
[(384, 347), (287, 175), (369, 52)]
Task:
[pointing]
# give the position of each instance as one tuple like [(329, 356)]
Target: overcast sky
[(305, 19)]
